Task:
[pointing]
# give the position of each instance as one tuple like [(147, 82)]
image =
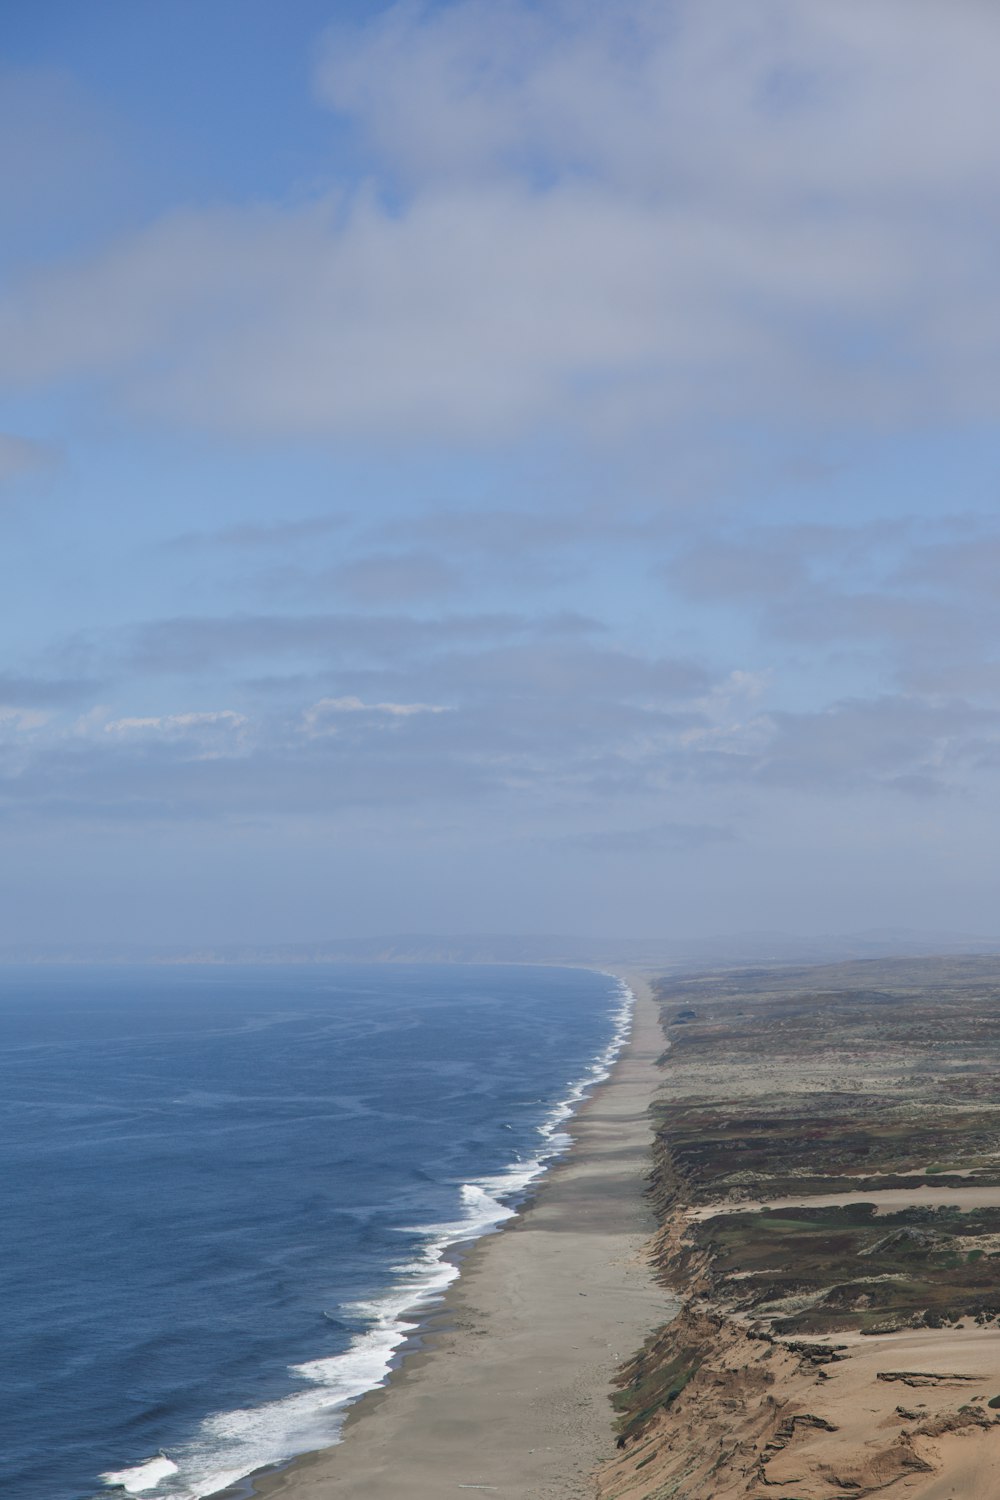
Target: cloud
[(323, 717), (655, 838), (586, 87), (176, 724), (728, 573), (600, 221), (902, 742), (392, 578), (566, 671), (21, 720), (539, 732), (208, 644), (969, 565), (910, 603), (254, 536), (24, 692), (272, 775), (195, 735), (514, 534), (515, 709)]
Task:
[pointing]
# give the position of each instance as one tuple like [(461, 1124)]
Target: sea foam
[(230, 1445)]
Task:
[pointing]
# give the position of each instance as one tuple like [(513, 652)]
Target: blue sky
[(498, 466)]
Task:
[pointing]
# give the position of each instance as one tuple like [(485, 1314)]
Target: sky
[(497, 466)]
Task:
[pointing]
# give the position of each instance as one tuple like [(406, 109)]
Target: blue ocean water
[(224, 1190)]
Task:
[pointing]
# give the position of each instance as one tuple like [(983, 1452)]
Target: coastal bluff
[(826, 1182)]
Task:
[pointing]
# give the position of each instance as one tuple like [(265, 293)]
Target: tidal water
[(229, 1192)]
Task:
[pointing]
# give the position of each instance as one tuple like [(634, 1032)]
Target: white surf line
[(309, 1419)]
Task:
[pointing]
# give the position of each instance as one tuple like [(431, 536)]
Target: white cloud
[(203, 736), (784, 97), (169, 723), (321, 718), (22, 720), (732, 723), (603, 218)]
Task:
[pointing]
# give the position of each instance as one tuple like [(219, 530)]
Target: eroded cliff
[(827, 1180)]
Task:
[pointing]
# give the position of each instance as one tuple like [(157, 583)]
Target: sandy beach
[(510, 1392)]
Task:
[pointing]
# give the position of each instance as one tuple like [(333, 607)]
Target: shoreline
[(505, 1385)]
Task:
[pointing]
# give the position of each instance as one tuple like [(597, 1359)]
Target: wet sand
[(510, 1395)]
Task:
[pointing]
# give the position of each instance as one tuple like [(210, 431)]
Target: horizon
[(487, 468), (717, 953)]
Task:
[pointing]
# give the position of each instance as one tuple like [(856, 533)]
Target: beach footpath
[(509, 1392)]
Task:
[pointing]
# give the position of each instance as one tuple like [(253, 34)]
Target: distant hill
[(496, 948)]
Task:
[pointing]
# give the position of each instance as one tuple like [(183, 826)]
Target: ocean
[(229, 1192)]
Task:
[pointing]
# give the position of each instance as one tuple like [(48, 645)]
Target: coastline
[(507, 1384), (827, 1177)]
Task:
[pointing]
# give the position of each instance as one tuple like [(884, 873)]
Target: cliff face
[(827, 1180), (711, 1408)]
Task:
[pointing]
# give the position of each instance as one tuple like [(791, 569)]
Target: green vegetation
[(650, 1382), (879, 1076), (823, 1270)]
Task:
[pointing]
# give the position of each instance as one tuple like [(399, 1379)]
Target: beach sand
[(510, 1394)]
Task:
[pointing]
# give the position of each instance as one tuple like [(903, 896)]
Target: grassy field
[(852, 1080)]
